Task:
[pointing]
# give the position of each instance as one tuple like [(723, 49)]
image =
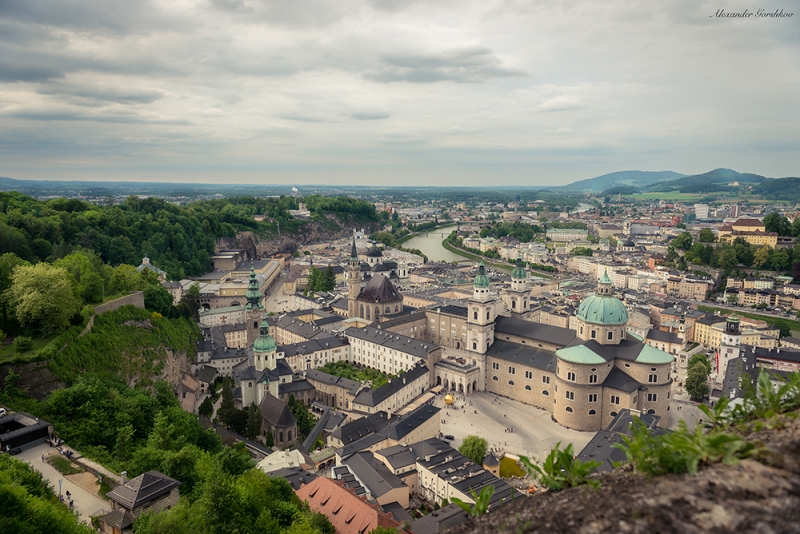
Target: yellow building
[(710, 331), (751, 230)]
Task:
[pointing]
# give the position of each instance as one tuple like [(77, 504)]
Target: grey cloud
[(231, 5), (466, 65), (301, 118), (101, 94), (71, 114), (369, 116)]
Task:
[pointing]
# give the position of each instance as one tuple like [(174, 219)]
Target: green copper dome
[(264, 342), (603, 307), (481, 280), (519, 270)]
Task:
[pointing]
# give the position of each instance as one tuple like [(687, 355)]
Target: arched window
[(545, 392), (494, 378), (510, 382), (396, 309), (388, 310), (513, 304), (280, 434), (651, 412), (592, 412), (377, 312), (528, 388), (361, 314), (569, 409), (255, 324), (289, 438), (613, 414), (487, 315), (367, 317), (476, 315)]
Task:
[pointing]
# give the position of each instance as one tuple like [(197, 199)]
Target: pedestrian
[(43, 458)]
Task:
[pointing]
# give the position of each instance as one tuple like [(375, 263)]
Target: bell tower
[(480, 318), (253, 308), (518, 294), (353, 282)]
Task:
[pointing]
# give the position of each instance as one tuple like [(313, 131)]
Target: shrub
[(561, 470), (23, 344)]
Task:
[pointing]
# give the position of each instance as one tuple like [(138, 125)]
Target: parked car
[(14, 452), (451, 438), (3, 412)]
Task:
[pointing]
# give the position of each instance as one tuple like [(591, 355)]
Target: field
[(64, 466), (784, 324), (672, 195)]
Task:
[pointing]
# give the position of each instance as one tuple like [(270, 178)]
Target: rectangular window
[(570, 395), (593, 379), (528, 375), (610, 336), (594, 334), (571, 377), (495, 366), (614, 399), (512, 370), (546, 379), (653, 379), (593, 397), (652, 397)]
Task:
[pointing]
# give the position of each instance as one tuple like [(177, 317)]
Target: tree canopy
[(474, 448)]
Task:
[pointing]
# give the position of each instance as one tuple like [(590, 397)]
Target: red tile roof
[(348, 513)]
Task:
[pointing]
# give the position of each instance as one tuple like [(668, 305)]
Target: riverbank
[(486, 261), (415, 234)]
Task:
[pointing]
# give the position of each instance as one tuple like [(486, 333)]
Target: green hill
[(632, 178), (779, 189), (716, 180)]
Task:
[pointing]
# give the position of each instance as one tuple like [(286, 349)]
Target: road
[(86, 503)]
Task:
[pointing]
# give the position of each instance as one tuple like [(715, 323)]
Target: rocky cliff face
[(312, 232), (761, 494)]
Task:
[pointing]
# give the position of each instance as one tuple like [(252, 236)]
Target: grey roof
[(325, 378), (319, 426), (207, 374), (601, 447), (524, 355), (343, 473), (398, 456), (373, 397), (540, 332), (364, 426), (398, 512), (410, 422), (452, 309), (22, 424), (405, 344), (295, 386), (665, 337), (439, 520), (373, 474), (119, 518), (785, 354), (621, 381), (295, 475), (381, 290), (142, 489), (276, 413), (314, 345)]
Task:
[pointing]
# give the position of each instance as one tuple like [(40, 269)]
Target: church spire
[(253, 295)]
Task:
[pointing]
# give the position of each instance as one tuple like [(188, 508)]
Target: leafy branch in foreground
[(562, 470), (482, 500), (681, 451)]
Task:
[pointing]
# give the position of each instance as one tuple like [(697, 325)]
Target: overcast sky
[(393, 92)]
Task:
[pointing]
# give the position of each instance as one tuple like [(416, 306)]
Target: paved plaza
[(86, 503), (534, 432)]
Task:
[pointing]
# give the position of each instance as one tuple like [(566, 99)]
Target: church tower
[(264, 357), (519, 292), (253, 308), (353, 282), (480, 318)]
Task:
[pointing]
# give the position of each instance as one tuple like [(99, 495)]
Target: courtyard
[(534, 432)]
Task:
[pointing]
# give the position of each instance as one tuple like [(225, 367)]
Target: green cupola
[(519, 269), (264, 342), (481, 280), (253, 295), (603, 308)]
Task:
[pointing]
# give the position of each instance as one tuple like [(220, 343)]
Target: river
[(430, 243)]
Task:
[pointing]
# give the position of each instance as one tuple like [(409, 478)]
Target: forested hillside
[(177, 239)]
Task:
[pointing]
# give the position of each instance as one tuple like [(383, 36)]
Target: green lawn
[(509, 468), (64, 466), (349, 371), (676, 195), (6, 351)]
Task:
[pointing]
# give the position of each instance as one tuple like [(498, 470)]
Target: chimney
[(124, 477)]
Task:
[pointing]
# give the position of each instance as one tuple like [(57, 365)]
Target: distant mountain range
[(639, 179)]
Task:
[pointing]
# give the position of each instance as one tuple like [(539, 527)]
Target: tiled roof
[(142, 489)]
